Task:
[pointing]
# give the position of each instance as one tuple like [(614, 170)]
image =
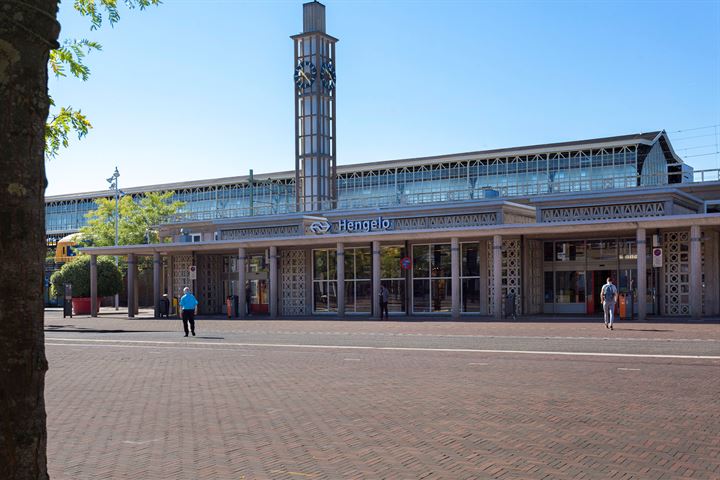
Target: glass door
[(596, 279), (257, 277)]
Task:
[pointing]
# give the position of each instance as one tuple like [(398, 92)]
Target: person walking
[(248, 299), (384, 298), (188, 304), (608, 295)]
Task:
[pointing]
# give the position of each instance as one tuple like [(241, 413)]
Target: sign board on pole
[(657, 257), (193, 272), (67, 301), (405, 263)]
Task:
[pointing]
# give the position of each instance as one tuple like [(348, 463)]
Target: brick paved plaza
[(134, 399)]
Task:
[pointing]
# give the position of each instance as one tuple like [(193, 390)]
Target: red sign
[(406, 263)]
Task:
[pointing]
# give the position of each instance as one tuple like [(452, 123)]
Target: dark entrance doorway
[(596, 279)]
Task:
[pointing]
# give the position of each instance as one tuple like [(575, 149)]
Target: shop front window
[(431, 281), (548, 251), (549, 289), (569, 287), (570, 251), (358, 280), (393, 276), (627, 250), (324, 280), (470, 277), (603, 250), (257, 263)]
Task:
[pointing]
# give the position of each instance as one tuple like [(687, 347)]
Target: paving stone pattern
[(194, 410)]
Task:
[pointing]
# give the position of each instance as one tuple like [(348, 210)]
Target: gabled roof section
[(667, 147)]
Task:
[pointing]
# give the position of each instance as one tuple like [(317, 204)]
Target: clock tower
[(314, 79)]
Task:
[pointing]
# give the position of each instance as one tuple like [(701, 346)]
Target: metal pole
[(252, 187), (116, 174), (113, 181)]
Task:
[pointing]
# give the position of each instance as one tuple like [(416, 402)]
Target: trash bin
[(67, 301), (510, 306), (164, 306), (625, 304)]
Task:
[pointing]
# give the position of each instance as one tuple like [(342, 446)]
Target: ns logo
[(319, 228)]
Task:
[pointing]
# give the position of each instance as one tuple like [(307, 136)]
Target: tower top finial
[(313, 17)]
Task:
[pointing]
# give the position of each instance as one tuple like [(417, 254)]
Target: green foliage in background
[(77, 272), (137, 219)]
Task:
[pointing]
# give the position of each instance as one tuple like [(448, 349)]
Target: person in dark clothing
[(384, 299), (248, 298)]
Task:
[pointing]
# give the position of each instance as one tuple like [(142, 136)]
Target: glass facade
[(358, 280), (575, 270), (324, 280), (67, 216), (571, 171), (431, 278), (508, 177), (470, 277), (393, 276)]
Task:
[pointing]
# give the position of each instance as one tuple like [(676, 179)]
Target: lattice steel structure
[(292, 291), (511, 283), (315, 161)]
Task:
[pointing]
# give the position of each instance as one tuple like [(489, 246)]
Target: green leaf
[(137, 217), (59, 127)]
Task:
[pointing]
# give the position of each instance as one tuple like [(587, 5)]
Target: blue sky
[(198, 89)]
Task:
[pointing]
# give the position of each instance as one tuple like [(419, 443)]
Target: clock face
[(327, 73), (305, 73)]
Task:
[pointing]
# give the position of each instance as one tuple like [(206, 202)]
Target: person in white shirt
[(608, 295)]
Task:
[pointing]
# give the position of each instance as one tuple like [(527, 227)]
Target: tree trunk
[(28, 30)]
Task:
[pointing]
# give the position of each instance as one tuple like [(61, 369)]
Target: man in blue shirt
[(188, 303)]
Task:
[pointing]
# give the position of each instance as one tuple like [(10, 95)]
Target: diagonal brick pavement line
[(409, 349)]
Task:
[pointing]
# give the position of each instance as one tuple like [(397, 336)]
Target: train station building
[(531, 230)]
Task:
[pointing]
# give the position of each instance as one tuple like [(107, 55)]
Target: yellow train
[(65, 249)]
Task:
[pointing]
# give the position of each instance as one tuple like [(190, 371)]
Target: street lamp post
[(113, 181)]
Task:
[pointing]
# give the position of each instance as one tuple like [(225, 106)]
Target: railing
[(709, 175), (438, 195)]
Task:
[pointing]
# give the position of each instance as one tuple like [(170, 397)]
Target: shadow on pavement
[(644, 330), (73, 328)]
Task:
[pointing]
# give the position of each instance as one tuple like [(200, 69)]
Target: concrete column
[(375, 279), (131, 284), (273, 282), (695, 273), (497, 276), (712, 276), (157, 266), (641, 273), (170, 286), (242, 280), (455, 277), (341, 279), (484, 288), (93, 286)]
